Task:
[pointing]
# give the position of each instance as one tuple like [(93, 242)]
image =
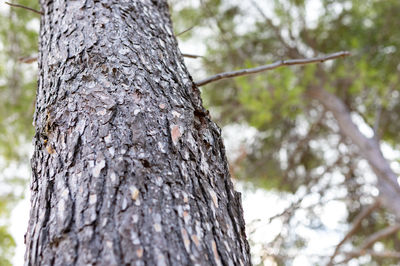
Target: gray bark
[(128, 168)]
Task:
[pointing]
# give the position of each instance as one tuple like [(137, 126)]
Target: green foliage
[(271, 96), (296, 139), (17, 80), (18, 40), (7, 245)]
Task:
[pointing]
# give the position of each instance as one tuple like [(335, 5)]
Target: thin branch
[(183, 32), (379, 235), (28, 60), (369, 242), (191, 55), (248, 71), (286, 211), (368, 147), (377, 120), (383, 254), (289, 210), (357, 222), (24, 7), (300, 146)]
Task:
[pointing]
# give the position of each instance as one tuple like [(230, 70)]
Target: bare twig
[(183, 32), (370, 241), (191, 55), (28, 60), (248, 71), (300, 147), (24, 7), (357, 222), (379, 235), (383, 254), (289, 210)]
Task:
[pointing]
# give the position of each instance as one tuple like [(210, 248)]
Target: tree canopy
[(298, 148)]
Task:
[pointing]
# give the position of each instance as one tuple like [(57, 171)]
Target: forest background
[(312, 195)]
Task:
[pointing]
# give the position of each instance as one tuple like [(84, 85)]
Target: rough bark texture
[(128, 169)]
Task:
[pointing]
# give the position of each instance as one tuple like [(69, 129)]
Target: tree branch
[(191, 55), (389, 189), (297, 203), (28, 60), (183, 32), (383, 254), (357, 222), (300, 147), (370, 241), (377, 120), (379, 235), (24, 7), (249, 71)]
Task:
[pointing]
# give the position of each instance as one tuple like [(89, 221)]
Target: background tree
[(18, 40), (308, 143)]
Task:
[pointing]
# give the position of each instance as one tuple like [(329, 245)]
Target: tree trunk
[(127, 168)]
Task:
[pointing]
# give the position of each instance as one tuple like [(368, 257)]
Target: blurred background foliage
[(293, 146), (297, 150), (18, 43)]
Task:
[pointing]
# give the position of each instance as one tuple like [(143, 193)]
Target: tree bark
[(128, 168)]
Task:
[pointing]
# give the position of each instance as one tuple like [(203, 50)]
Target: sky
[(19, 225)]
